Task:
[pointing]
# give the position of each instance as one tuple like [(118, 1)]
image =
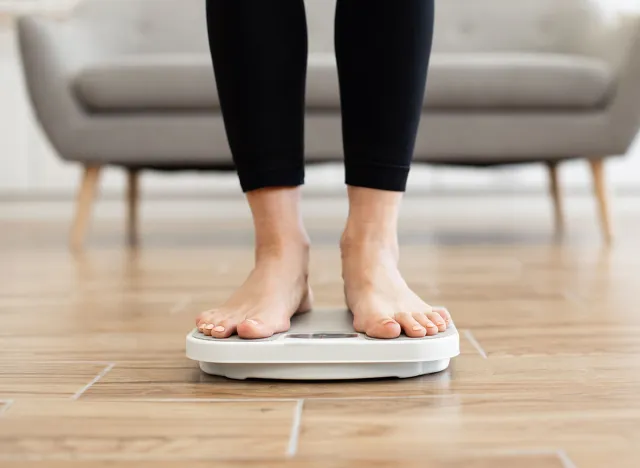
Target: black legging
[(259, 53)]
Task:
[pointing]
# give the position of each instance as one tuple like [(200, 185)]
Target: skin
[(382, 304)]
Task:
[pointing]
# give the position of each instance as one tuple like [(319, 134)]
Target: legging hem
[(377, 176), (255, 179)]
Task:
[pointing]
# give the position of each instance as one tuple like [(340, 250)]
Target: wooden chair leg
[(556, 196), (600, 191), (84, 203), (133, 195)]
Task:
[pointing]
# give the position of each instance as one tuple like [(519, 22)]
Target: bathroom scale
[(322, 345)]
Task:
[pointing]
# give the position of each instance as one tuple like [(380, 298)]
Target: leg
[(84, 203), (383, 51), (599, 188), (133, 179), (259, 53), (556, 196)]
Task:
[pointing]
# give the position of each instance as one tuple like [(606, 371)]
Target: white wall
[(28, 166)]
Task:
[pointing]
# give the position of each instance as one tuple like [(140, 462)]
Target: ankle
[(277, 219), (373, 219), (358, 247), (366, 236), (290, 246)]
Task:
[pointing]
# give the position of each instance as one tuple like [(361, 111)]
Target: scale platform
[(322, 345)]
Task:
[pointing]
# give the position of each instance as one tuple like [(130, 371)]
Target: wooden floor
[(93, 372)]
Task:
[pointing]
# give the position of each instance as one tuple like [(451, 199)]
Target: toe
[(206, 322), (428, 325), (437, 319), (252, 328), (206, 328), (423, 320), (411, 326), (384, 328), (224, 329), (203, 317), (444, 313)]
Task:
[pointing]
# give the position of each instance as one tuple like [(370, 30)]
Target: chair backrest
[(179, 26), (516, 25), (145, 26), (489, 25)]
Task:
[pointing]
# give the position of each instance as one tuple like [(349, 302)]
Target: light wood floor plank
[(596, 458), (467, 424), (45, 379), (565, 381), (524, 460), (61, 430), (575, 339)]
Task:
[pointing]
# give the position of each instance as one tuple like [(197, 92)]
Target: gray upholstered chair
[(130, 83)]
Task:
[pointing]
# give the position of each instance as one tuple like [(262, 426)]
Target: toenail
[(219, 328), (252, 322), (431, 325), (209, 327), (440, 323), (418, 327), (387, 322)]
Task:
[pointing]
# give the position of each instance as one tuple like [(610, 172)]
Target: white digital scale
[(322, 345)]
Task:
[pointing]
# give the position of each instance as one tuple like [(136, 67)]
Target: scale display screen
[(321, 336)]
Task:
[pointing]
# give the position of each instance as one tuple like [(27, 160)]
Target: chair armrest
[(624, 109), (52, 51), (611, 38)]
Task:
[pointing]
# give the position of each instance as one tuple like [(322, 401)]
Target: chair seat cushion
[(185, 83), (148, 83), (518, 81)]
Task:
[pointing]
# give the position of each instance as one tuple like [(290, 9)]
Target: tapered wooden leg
[(556, 196), (600, 191), (84, 203), (133, 195)]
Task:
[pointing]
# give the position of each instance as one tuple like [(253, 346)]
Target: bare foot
[(278, 287), (382, 303), (275, 290)]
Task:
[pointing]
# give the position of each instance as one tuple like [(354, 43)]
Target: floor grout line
[(104, 372), (6, 404), (567, 462), (296, 399), (181, 305), (561, 455), (292, 448), (39, 361), (475, 344), (214, 400), (101, 363), (533, 451), (395, 397)]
